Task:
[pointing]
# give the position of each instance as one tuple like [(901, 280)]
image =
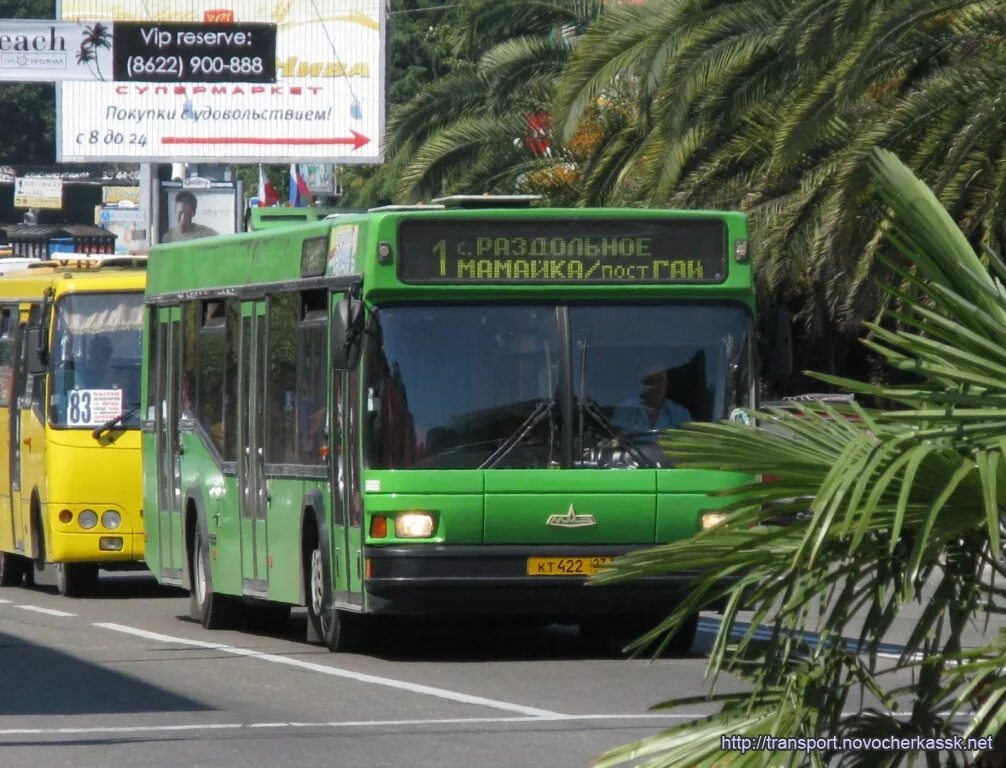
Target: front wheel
[(76, 579), (212, 610), (328, 625)]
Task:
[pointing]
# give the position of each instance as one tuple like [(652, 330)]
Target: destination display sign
[(562, 251)]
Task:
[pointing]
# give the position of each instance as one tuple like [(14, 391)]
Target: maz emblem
[(571, 520)]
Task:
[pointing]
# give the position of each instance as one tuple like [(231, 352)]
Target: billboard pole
[(148, 194)]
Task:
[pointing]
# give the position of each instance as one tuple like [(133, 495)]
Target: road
[(126, 679)]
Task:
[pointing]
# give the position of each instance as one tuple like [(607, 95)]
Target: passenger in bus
[(95, 371), (653, 409), (185, 228)]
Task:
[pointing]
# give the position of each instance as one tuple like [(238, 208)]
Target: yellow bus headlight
[(110, 519), (87, 519)]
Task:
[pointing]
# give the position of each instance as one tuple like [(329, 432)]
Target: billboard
[(188, 212), (326, 105)]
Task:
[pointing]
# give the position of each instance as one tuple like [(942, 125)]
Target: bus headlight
[(87, 519), (414, 525), (712, 519), (110, 519)]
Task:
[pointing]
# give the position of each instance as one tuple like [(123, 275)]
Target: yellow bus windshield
[(96, 355)]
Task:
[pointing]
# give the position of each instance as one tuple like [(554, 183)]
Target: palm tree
[(470, 130), (95, 37), (773, 107), (904, 505), (85, 55)]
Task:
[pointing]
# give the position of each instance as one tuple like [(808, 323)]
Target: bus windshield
[(468, 387), (95, 360)]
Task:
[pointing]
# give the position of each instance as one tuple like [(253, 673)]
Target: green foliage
[(773, 108), (903, 506), (467, 132), (420, 39)]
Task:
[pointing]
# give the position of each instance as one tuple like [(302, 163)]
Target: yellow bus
[(70, 486)]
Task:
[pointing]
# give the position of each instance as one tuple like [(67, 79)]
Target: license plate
[(565, 566)]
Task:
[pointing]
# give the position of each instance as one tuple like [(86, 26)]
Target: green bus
[(448, 410), (271, 217)]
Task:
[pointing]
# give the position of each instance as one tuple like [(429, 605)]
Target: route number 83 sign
[(93, 407)]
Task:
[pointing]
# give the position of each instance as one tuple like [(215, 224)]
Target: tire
[(325, 623), (212, 610), (12, 569), (76, 579)]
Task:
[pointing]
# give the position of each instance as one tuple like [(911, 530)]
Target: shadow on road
[(113, 585), (38, 680), (482, 640)]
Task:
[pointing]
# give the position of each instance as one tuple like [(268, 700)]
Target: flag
[(300, 195), (266, 191)]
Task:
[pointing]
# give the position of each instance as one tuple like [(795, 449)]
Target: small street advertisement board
[(30, 192)]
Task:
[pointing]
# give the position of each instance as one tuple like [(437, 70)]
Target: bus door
[(28, 436), (169, 475), (8, 418), (347, 500), (253, 497)]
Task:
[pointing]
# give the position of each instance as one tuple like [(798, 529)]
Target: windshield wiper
[(543, 409), (592, 409), (97, 433)]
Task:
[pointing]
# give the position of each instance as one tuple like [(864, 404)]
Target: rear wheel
[(76, 579), (212, 610), (330, 626), (12, 569)]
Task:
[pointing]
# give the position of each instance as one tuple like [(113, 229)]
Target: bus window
[(645, 368), (210, 346), (96, 359), (191, 316), (281, 379), (232, 331), (428, 409), (312, 412)]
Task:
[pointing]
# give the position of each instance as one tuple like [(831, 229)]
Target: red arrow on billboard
[(357, 140)]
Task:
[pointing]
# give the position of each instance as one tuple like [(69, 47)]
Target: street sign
[(38, 193)]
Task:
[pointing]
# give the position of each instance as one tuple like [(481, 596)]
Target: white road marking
[(46, 611), (324, 669), (5, 602), (125, 729), (345, 724)]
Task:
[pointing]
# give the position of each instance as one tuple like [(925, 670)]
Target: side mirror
[(346, 334), (777, 343), (38, 354)]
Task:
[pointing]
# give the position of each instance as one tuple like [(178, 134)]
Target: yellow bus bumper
[(96, 547)]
